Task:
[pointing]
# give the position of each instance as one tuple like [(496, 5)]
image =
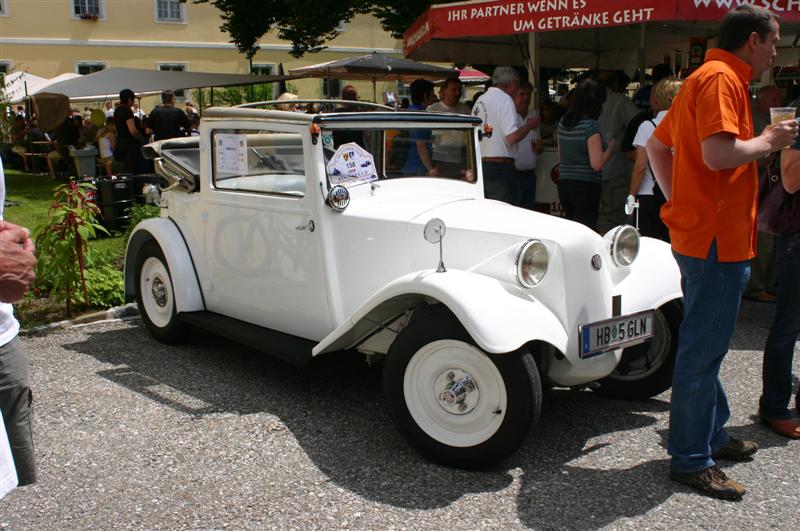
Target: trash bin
[(114, 198), (85, 161)]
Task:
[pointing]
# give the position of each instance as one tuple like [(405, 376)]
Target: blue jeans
[(500, 181), (527, 187), (699, 408), (779, 350)]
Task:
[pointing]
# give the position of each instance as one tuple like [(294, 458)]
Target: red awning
[(486, 18)]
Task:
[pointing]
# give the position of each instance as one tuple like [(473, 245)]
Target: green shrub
[(104, 286), (139, 213)]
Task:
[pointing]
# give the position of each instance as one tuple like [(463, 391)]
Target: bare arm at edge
[(660, 158), (790, 170)]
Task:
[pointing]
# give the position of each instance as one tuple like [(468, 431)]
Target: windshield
[(354, 156)]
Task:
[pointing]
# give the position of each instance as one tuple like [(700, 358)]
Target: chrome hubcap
[(456, 391), (159, 292)]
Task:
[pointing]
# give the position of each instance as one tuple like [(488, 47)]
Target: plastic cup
[(780, 114)]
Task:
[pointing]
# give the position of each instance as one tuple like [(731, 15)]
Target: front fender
[(188, 297), (654, 278), (498, 316)]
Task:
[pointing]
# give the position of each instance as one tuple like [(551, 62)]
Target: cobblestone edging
[(121, 313)]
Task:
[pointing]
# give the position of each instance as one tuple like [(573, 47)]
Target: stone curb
[(118, 313)]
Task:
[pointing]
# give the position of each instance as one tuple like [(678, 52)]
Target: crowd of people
[(117, 130)]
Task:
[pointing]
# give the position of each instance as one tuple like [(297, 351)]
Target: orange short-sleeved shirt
[(706, 204)]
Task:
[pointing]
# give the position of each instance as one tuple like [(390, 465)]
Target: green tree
[(307, 24)]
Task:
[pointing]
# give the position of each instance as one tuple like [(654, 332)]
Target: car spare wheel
[(454, 403), (155, 295), (645, 370)]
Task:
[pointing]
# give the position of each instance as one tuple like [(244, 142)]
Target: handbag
[(778, 210)]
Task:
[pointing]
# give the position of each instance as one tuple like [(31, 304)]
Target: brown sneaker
[(736, 450), (711, 482)]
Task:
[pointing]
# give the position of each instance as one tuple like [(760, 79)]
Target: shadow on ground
[(334, 408)]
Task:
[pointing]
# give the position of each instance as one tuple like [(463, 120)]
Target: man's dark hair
[(660, 71), (167, 96), (739, 23), (419, 89), (525, 85), (586, 103), (454, 80), (126, 94), (349, 93)]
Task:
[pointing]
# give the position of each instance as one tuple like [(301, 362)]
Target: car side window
[(258, 161)]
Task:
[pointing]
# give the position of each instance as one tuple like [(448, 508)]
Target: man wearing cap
[(128, 149)]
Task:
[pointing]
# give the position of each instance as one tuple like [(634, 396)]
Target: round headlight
[(624, 245), (532, 263)]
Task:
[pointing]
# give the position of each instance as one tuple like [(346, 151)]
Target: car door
[(261, 247)]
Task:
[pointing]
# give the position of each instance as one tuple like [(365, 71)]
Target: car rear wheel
[(645, 370), (454, 403), (155, 296)]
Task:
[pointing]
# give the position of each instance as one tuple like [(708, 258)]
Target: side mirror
[(434, 233)]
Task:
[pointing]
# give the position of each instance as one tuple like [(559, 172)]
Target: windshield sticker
[(327, 140), (351, 164), (231, 153)]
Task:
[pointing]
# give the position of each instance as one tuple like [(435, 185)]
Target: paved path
[(133, 434)]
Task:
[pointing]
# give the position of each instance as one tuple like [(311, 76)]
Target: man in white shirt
[(16, 273), (498, 151), (528, 148), (449, 146)]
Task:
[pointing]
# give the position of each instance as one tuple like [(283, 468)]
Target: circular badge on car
[(339, 198)]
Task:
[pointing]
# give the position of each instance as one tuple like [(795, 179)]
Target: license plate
[(616, 333)]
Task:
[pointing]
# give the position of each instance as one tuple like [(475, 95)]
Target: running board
[(285, 347)]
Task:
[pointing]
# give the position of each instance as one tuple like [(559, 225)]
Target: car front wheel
[(645, 370), (155, 296), (454, 403)]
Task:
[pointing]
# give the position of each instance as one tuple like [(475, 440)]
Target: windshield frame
[(464, 123)]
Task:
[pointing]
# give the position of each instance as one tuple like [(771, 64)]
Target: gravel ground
[(131, 433)]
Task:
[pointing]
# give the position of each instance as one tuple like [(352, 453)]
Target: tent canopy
[(492, 32), (374, 67), (109, 82), (17, 84)]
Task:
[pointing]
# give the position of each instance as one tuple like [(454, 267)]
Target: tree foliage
[(307, 24)]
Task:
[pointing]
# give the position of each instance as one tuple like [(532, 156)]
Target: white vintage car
[(309, 234)]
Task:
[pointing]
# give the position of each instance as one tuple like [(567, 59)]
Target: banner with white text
[(503, 17)]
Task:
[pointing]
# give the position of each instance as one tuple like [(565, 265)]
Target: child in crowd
[(106, 140)]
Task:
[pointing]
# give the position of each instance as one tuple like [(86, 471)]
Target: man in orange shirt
[(711, 184)]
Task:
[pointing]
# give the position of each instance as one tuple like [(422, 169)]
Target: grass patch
[(30, 197)]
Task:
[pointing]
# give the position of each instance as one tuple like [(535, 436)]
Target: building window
[(3, 8), (5, 67), (174, 67), (90, 68), (263, 70), (332, 88), (170, 11), (86, 8)]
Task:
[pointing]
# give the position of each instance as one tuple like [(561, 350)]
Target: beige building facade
[(51, 37)]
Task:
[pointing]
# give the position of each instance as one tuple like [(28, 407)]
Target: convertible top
[(233, 113)]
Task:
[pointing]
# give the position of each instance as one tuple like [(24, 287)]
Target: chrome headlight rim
[(618, 243), (522, 277)]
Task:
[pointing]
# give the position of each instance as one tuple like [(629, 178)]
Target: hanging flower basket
[(88, 16)]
